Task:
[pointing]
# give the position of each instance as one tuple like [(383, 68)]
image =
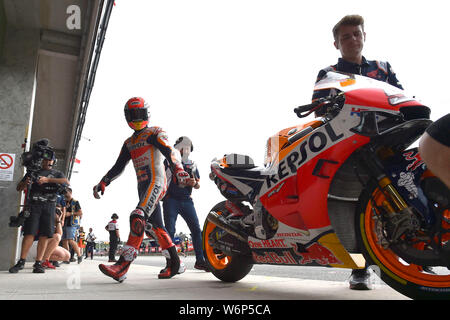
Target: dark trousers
[(90, 249), (112, 249)]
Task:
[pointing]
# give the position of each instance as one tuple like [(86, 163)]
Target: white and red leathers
[(147, 148)]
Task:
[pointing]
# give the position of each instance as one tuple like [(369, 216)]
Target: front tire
[(228, 268), (408, 279)]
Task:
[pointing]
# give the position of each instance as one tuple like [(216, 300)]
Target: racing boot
[(173, 264), (182, 268), (118, 271)]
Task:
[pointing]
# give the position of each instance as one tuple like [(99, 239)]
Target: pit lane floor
[(85, 282)]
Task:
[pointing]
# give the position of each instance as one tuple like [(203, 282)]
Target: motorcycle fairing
[(316, 247), (297, 194)]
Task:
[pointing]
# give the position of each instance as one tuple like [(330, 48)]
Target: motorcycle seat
[(239, 161), (242, 166)]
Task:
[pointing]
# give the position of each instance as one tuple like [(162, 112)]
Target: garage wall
[(17, 87)]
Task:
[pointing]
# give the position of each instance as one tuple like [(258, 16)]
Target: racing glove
[(99, 188), (182, 177)]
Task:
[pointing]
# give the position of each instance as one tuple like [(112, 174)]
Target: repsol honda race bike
[(338, 191)]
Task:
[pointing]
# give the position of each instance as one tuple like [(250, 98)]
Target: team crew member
[(146, 148), (178, 201), (114, 237), (349, 38), (90, 244)]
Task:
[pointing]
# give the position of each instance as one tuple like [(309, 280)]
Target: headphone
[(114, 215)]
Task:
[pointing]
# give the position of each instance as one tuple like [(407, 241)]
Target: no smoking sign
[(7, 166)]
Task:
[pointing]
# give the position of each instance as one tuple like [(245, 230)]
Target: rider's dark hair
[(348, 20)]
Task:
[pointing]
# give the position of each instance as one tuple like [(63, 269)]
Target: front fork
[(376, 168), (397, 216)]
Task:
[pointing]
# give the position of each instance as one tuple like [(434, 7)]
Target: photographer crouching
[(42, 186)]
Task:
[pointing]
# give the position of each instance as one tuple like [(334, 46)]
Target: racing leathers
[(146, 148)]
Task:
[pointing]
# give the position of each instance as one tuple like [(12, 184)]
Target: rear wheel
[(228, 268), (409, 279)]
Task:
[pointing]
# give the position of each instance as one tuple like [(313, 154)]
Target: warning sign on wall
[(7, 166)]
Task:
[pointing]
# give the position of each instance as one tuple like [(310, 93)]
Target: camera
[(32, 161), (15, 222), (40, 150)]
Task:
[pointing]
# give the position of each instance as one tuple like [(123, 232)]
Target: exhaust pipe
[(222, 223)]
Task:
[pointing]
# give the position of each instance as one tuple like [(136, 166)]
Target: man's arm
[(22, 185), (117, 169), (42, 180), (114, 172), (63, 216), (160, 140)]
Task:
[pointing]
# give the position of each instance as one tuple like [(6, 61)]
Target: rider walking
[(146, 148)]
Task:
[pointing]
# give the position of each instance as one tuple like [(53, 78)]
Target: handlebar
[(307, 109)]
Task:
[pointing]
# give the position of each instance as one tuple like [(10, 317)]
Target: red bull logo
[(315, 253)]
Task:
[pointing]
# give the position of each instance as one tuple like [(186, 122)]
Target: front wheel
[(411, 280), (228, 268)]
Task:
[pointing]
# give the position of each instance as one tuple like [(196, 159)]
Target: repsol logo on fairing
[(315, 143)]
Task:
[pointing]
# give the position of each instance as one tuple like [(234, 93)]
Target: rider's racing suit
[(146, 148)]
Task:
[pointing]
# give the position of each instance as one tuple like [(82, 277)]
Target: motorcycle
[(340, 191)]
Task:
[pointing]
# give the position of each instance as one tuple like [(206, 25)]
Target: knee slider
[(137, 222)]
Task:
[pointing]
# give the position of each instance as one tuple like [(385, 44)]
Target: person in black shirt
[(434, 148), (41, 222)]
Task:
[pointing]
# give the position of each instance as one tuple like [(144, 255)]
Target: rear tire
[(224, 267)]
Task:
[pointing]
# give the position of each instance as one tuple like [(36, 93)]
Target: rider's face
[(350, 41)]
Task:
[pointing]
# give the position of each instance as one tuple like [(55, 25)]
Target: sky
[(228, 75)]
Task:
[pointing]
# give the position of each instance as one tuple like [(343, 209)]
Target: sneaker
[(56, 264), (66, 262), (47, 265), (80, 259), (360, 280), (38, 268), (18, 266), (182, 268), (201, 265)]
